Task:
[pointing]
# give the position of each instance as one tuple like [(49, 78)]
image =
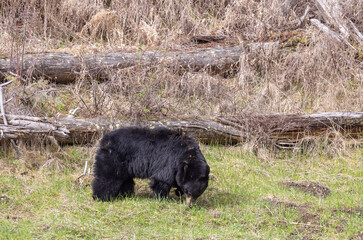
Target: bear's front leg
[(178, 191), (160, 188)]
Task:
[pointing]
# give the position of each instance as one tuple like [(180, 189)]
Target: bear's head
[(193, 175)]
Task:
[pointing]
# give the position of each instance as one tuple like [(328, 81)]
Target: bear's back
[(140, 134)]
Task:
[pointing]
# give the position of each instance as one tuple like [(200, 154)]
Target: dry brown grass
[(318, 75), (153, 23)]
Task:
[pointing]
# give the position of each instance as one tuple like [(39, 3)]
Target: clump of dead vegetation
[(162, 23), (309, 72)]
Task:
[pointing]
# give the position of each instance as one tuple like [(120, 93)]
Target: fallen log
[(65, 67), (289, 130), (83, 131), (280, 129)]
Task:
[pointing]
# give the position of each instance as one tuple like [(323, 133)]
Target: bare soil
[(308, 226), (351, 210), (314, 188)]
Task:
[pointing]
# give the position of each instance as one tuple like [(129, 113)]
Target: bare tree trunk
[(65, 67), (280, 129)]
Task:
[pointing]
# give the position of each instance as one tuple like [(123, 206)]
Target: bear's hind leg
[(160, 189), (106, 189)]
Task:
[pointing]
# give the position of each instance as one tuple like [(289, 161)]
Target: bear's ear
[(185, 171), (181, 174)]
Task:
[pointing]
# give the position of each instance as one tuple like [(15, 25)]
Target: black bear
[(169, 158)]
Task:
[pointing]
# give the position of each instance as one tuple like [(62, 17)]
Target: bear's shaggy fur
[(168, 158)]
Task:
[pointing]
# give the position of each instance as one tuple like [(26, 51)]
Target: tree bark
[(280, 129), (65, 67)]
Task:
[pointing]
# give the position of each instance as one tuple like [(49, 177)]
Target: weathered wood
[(292, 128), (281, 129), (2, 110), (82, 131), (65, 67), (332, 13), (327, 31)]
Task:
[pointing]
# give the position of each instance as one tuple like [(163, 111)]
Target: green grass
[(243, 201)]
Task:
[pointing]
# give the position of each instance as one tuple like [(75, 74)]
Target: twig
[(359, 35), (302, 19), (18, 76), (84, 173), (7, 101), (4, 118), (6, 83), (54, 142), (85, 168), (326, 30), (2, 106)]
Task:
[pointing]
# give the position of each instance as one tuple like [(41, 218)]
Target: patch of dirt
[(305, 231), (309, 218), (277, 202), (313, 188), (308, 226), (350, 210)]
